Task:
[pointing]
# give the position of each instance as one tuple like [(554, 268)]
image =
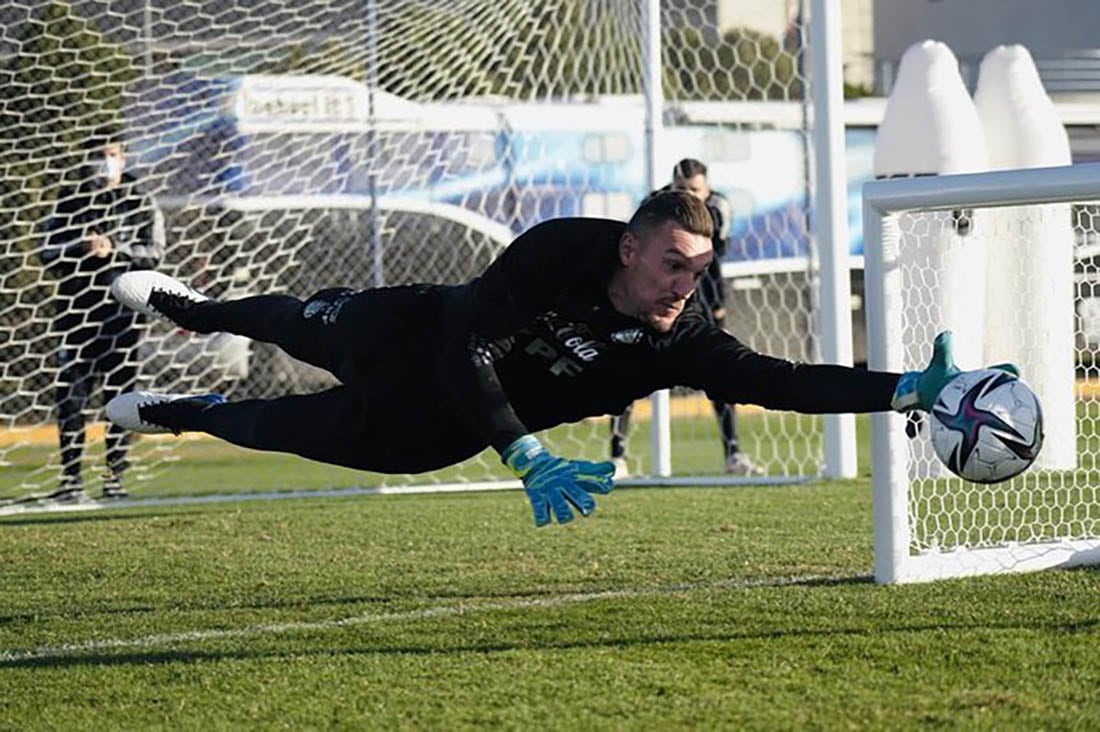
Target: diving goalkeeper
[(576, 318)]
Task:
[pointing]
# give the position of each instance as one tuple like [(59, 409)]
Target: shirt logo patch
[(314, 308), (329, 310), (628, 336)]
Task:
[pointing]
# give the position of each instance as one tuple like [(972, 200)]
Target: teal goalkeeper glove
[(919, 389), (553, 483)]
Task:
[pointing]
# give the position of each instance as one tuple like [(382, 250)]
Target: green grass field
[(738, 608)]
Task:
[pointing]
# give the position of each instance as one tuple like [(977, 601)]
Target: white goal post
[(928, 525)]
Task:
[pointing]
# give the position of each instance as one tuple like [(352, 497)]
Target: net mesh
[(1036, 287), (293, 146)]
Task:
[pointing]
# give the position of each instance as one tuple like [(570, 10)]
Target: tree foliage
[(571, 48), (64, 82), (743, 64)]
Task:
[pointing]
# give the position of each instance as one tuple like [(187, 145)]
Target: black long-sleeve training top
[(535, 342)]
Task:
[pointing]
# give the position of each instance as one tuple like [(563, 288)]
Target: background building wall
[(972, 27), (1060, 34)]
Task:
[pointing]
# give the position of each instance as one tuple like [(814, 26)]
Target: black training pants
[(109, 362), (391, 413)]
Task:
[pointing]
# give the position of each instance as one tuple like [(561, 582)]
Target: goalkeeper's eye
[(675, 266)]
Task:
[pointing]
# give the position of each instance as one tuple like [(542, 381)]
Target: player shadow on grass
[(104, 660), (37, 617), (73, 656), (38, 519)]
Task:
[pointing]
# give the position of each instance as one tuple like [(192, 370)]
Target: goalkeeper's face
[(661, 266)]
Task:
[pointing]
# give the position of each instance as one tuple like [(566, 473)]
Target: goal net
[(293, 146), (1008, 262)]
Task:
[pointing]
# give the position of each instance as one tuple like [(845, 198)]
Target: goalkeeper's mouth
[(664, 315)]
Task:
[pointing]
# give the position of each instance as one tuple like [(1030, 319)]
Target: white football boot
[(622, 469), (156, 294), (151, 414), (739, 464)]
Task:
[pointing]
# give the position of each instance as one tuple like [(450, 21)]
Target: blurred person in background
[(103, 224), (690, 175)]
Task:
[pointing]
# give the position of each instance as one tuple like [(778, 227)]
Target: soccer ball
[(987, 426)]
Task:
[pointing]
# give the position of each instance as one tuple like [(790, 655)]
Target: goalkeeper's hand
[(553, 483), (919, 389)]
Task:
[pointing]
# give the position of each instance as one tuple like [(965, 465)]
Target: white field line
[(81, 648), (47, 506)]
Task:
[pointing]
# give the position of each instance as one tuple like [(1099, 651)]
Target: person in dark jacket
[(104, 224), (690, 175)]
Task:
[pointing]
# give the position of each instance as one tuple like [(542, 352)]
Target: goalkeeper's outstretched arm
[(736, 373)]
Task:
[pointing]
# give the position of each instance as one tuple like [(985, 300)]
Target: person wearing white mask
[(103, 225)]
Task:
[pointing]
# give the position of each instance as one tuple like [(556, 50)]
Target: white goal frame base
[(1009, 558), (883, 201)]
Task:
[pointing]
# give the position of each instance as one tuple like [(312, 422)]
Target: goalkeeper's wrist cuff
[(905, 398), (521, 454)]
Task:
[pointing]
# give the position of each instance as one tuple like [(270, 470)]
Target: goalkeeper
[(576, 318)]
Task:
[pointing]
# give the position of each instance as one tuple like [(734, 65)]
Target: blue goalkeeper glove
[(919, 389), (553, 483)]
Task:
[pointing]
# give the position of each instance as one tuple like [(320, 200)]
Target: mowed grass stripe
[(14, 656)]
